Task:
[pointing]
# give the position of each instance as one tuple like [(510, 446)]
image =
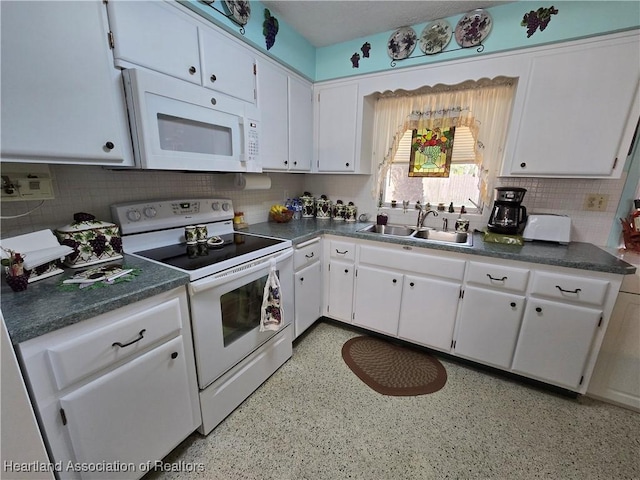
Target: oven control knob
[(215, 206), (134, 215), (226, 207), (150, 212)]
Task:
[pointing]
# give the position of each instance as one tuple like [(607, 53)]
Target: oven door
[(226, 310)]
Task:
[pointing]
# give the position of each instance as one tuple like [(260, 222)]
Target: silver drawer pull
[(309, 256), (496, 279), (568, 291), (342, 253), (122, 345)]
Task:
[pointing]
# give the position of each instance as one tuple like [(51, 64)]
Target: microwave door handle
[(212, 282)]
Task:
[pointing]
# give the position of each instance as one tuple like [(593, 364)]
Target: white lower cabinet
[(428, 311), (555, 341), (139, 409), (538, 321), (378, 294), (340, 294), (117, 389), (308, 297), (488, 326)]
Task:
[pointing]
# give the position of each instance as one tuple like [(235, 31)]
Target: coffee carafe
[(508, 216)]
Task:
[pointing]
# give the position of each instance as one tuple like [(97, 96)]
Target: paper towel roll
[(252, 181)]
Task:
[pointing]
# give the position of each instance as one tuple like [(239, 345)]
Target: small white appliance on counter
[(548, 228)]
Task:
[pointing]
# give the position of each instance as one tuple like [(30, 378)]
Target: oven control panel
[(138, 217)]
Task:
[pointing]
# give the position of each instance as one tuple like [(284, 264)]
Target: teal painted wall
[(575, 19), (290, 48)]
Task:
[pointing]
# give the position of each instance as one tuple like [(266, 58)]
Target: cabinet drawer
[(498, 276), (413, 262), (306, 255), (342, 250), (565, 287), (90, 353)]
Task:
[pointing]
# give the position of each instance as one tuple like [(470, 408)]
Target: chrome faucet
[(422, 214)]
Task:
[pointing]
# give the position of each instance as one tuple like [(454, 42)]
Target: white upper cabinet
[(272, 102), (300, 125), (227, 67), (336, 128), (579, 111), (62, 100), (286, 107), (173, 43), (153, 35)]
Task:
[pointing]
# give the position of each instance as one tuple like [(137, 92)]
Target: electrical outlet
[(596, 202)]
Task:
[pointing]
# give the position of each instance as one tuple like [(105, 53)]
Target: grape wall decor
[(270, 28), (538, 19), (366, 47), (355, 60)]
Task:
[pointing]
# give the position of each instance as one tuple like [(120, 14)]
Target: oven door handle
[(237, 272)]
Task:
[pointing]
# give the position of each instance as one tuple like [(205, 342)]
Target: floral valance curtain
[(484, 106)]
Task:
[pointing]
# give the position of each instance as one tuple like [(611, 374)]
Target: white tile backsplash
[(94, 189)]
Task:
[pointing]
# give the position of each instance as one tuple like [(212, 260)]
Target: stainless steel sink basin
[(397, 230), (462, 239), (440, 236)]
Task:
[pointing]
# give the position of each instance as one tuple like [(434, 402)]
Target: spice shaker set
[(323, 208)]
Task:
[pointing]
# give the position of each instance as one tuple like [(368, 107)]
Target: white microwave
[(176, 125)]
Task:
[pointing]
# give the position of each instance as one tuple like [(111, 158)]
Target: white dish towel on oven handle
[(271, 317)]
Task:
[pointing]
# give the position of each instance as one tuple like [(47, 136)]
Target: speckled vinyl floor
[(314, 419)]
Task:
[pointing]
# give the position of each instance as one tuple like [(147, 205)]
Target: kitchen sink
[(440, 236), (396, 230), (429, 235)]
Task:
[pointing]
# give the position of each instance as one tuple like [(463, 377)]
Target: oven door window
[(241, 310)]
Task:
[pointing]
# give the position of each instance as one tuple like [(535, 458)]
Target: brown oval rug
[(391, 369)]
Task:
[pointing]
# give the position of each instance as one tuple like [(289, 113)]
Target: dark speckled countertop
[(44, 306), (584, 256)]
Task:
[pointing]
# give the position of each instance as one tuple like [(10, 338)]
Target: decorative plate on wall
[(239, 9), (435, 37), (401, 43), (473, 28)]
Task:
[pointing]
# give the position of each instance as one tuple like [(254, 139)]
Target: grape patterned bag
[(271, 318), (92, 241)]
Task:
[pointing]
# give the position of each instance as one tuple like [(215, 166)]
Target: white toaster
[(548, 227)]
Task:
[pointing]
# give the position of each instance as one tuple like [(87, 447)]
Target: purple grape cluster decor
[(270, 28), (355, 58), (538, 19)]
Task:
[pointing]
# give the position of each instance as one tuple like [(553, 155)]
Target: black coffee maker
[(508, 216)]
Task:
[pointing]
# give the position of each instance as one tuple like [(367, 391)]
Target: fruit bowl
[(281, 217)]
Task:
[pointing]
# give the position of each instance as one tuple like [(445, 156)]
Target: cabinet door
[(61, 98), (300, 125), (154, 35), (308, 292), (337, 115), (616, 376), (555, 342), (340, 301), (488, 326), (576, 109), (377, 299), (227, 67), (428, 311), (272, 101), (136, 413)]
